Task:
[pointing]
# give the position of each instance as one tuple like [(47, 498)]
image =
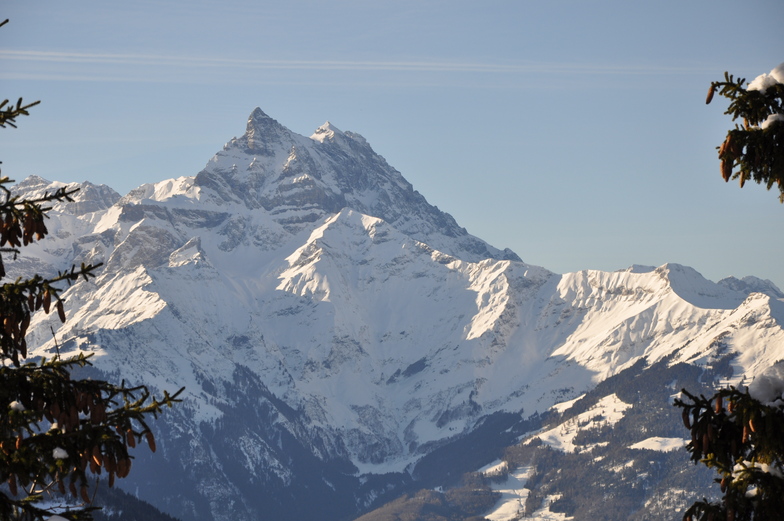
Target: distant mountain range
[(343, 342)]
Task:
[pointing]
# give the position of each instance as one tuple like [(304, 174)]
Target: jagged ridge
[(333, 329)]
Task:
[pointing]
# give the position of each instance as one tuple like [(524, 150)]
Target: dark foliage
[(750, 152), (467, 502), (117, 505), (485, 443), (731, 432), (741, 439)]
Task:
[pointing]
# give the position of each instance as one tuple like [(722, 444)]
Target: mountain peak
[(88, 198), (326, 131), (752, 285), (262, 133), (257, 115), (339, 338), (299, 181)]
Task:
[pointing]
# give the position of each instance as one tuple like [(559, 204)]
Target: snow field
[(607, 411)]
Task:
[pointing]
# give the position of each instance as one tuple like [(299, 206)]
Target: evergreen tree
[(733, 432), (741, 438), (57, 434), (755, 149)]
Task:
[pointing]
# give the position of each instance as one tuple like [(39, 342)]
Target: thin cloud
[(205, 62)]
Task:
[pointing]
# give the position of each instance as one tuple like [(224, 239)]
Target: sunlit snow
[(764, 81), (608, 411), (357, 312), (660, 444), (511, 505), (513, 496), (768, 387)]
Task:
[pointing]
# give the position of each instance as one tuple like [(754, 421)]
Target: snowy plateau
[(342, 342)]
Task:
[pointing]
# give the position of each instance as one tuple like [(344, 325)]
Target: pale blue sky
[(573, 132)]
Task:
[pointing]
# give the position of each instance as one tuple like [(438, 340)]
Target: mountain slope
[(337, 335)]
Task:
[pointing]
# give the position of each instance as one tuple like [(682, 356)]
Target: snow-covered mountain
[(335, 332)]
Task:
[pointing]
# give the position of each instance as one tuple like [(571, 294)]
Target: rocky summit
[(343, 342)]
